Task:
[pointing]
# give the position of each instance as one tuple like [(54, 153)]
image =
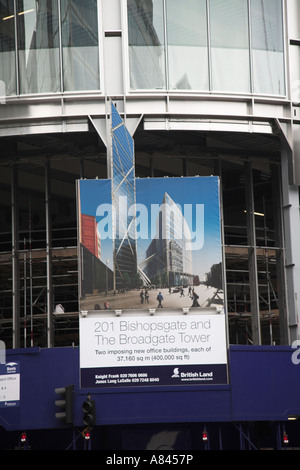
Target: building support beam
[(252, 257), (50, 325), (279, 254), (291, 224), (15, 258)]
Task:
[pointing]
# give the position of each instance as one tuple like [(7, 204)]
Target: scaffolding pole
[(252, 258), (50, 333), (15, 258), (30, 276)]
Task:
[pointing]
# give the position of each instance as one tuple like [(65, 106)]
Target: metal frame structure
[(54, 321)]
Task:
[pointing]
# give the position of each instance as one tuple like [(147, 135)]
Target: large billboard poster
[(151, 294)]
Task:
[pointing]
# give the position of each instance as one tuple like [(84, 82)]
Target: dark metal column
[(291, 224), (50, 326), (218, 172), (252, 257), (15, 257), (280, 270)]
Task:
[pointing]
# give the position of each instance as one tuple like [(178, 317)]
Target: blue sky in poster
[(186, 190), (93, 193)]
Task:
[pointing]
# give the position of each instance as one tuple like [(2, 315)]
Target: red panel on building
[(89, 234)]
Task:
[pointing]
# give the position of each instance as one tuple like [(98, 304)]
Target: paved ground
[(208, 296)]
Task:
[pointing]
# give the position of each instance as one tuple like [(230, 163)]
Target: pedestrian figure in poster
[(195, 300), (142, 297), (146, 296), (160, 299), (182, 292)]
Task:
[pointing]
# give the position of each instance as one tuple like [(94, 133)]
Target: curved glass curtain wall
[(207, 45), (56, 43)]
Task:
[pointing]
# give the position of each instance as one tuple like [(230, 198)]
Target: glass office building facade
[(205, 87), (234, 46), (47, 47)]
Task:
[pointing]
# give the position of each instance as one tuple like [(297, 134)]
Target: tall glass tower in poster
[(123, 196)]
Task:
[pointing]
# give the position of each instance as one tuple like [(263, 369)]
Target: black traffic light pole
[(89, 419), (65, 403)]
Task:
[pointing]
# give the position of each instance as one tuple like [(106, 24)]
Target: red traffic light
[(285, 438), (23, 437), (87, 435), (204, 435)]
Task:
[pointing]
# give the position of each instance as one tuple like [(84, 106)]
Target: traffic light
[(23, 442), (89, 411), (65, 403)]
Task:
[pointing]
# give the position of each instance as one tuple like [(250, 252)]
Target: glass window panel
[(230, 62), (187, 44), (146, 44), (80, 45), (267, 46), (7, 50), (38, 38), (295, 73)]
